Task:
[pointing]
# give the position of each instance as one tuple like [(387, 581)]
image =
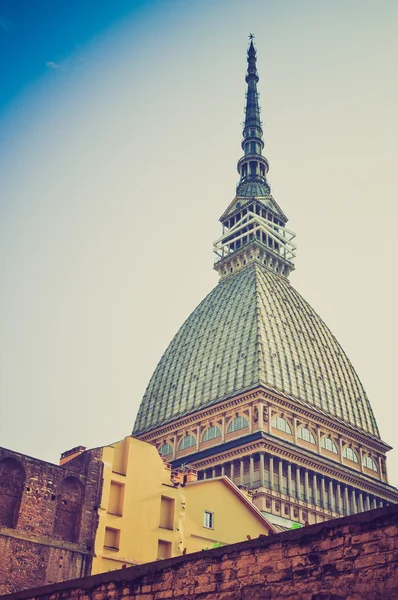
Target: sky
[(120, 130)]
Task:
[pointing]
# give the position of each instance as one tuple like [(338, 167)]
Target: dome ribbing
[(254, 329)]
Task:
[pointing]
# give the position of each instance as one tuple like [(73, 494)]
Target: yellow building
[(147, 512)]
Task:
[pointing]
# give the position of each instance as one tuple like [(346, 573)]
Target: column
[(298, 487), (250, 419), (232, 477), (380, 503), (289, 479), (380, 470), (295, 430), (367, 503), (242, 471), (354, 502), (346, 503), (360, 499), (260, 407), (330, 494), (339, 500), (271, 472), (174, 446), (223, 428), (280, 474), (222, 470), (251, 471), (197, 437), (205, 474), (315, 489), (262, 468), (306, 486), (323, 495), (270, 420), (213, 472), (374, 503), (341, 449)]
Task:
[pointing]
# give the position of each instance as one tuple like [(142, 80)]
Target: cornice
[(263, 394), (185, 422), (329, 470), (327, 421)]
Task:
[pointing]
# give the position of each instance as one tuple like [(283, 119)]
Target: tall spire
[(252, 167), (254, 226)]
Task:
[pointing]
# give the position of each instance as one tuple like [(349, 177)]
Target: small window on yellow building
[(208, 520), (112, 538), (116, 494), (164, 549), (120, 457), (166, 513)]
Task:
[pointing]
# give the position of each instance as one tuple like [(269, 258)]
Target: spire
[(253, 224), (252, 167)]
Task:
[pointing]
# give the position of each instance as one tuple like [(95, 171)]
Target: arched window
[(329, 444), (211, 434), (237, 423), (281, 424), (350, 454), (187, 442), (369, 463), (69, 507), (306, 435), (12, 481), (166, 450)]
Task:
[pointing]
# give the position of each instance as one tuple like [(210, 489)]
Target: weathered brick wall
[(354, 558), (47, 519)]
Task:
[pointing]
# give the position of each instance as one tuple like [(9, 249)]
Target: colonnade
[(281, 476)]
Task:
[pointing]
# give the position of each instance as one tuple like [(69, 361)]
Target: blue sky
[(35, 36), (116, 165)]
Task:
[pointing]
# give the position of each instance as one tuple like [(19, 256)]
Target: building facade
[(254, 385), (109, 508), (149, 512), (47, 519)]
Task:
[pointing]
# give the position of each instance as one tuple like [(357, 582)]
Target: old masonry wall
[(353, 558)]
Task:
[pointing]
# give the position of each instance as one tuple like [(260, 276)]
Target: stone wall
[(47, 519), (353, 558)]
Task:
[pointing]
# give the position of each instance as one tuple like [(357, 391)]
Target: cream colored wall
[(139, 522), (137, 466), (233, 520)]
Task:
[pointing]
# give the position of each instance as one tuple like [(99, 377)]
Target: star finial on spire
[(251, 36)]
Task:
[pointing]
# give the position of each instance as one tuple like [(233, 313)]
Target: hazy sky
[(120, 129)]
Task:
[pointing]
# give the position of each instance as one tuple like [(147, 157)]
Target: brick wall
[(47, 519), (354, 558)]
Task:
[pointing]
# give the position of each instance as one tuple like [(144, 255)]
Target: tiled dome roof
[(254, 329), (253, 189)]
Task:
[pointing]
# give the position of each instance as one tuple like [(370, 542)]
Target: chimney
[(70, 454), (191, 476), (177, 477)]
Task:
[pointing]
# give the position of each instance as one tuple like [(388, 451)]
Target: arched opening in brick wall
[(12, 482), (68, 510)]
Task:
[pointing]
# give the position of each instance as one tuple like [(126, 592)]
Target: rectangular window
[(116, 493), (164, 549), (208, 520), (112, 538), (120, 458), (166, 513)]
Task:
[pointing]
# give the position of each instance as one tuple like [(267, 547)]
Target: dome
[(252, 189), (254, 329)]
